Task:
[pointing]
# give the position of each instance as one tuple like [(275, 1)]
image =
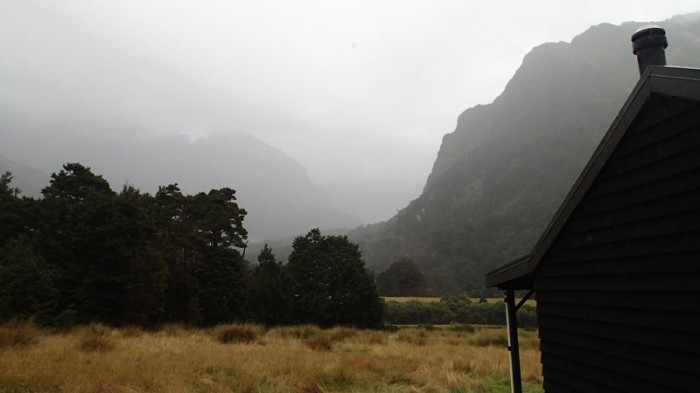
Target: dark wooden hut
[(617, 271)]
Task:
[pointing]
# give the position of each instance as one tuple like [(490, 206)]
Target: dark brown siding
[(619, 290)]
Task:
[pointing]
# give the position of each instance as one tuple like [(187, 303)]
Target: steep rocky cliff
[(501, 175)]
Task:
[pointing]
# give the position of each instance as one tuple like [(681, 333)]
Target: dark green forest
[(84, 253)]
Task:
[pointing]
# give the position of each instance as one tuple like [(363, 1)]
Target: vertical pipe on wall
[(513, 348)]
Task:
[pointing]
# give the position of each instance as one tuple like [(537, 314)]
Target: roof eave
[(683, 82), (511, 276)]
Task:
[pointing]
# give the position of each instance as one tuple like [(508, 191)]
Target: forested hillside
[(501, 175)]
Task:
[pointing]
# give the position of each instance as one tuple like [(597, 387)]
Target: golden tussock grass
[(236, 334), (251, 358), (96, 338), (18, 333)]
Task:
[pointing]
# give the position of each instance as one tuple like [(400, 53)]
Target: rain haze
[(360, 93)]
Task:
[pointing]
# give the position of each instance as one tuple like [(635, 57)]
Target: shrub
[(18, 333), (413, 336), (320, 343), (376, 338), (487, 337), (463, 365), (236, 334), (131, 331), (461, 327), (96, 338), (299, 331), (338, 334), (175, 330)]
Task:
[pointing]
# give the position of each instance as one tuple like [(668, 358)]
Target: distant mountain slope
[(29, 180), (275, 189), (503, 172)]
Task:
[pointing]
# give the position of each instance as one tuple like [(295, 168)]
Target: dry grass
[(237, 334), (18, 333), (96, 338), (279, 360)]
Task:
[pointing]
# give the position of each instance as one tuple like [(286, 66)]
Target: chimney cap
[(647, 36)]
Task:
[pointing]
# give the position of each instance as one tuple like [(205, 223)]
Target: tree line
[(455, 309), (84, 253)]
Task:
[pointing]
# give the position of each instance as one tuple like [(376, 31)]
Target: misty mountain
[(274, 189), (506, 168), (29, 180)]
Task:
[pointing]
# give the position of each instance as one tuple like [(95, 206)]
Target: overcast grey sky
[(359, 92)]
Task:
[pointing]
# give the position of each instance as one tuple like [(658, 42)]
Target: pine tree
[(271, 290)]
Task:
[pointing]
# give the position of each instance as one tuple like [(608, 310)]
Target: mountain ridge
[(502, 173), (274, 188)]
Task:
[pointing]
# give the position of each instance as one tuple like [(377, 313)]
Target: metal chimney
[(649, 44)]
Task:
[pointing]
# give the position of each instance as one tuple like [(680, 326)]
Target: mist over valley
[(323, 141)]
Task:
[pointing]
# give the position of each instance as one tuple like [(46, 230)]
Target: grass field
[(248, 358)]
